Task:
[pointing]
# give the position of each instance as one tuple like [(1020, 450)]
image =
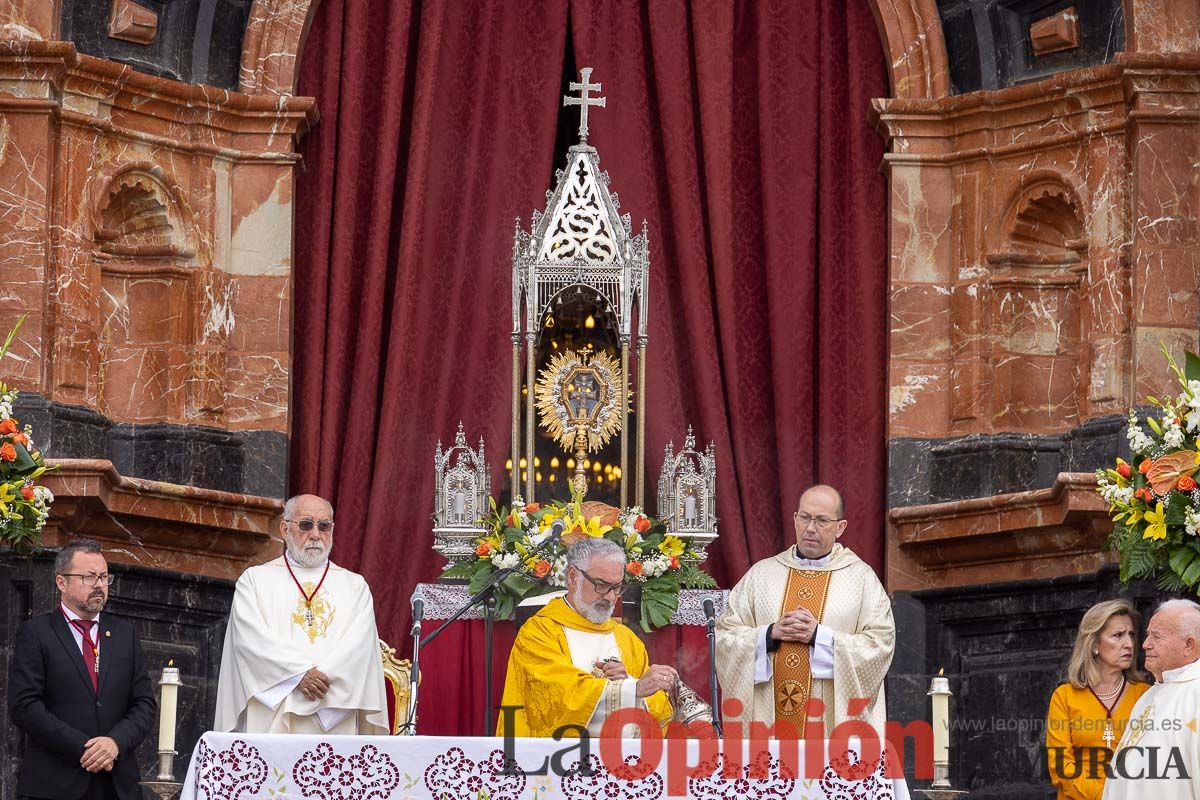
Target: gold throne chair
[(397, 677)]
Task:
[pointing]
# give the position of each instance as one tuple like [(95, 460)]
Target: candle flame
[(941, 671), (171, 662)]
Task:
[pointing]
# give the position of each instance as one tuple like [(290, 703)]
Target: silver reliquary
[(460, 498), (687, 493)]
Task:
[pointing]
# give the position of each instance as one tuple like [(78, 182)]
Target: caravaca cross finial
[(583, 101)]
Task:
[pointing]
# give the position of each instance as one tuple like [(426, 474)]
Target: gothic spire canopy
[(581, 239)]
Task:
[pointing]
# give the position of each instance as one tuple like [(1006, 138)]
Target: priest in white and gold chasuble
[(301, 650), (811, 623)]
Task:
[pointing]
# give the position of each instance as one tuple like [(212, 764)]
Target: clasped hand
[(99, 753), (314, 685), (795, 626)]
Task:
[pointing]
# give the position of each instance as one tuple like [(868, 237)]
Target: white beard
[(315, 557), (596, 613)]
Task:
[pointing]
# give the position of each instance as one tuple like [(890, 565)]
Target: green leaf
[(1177, 511), (1192, 574), (1180, 560), (8, 340), (1191, 366), (462, 569)]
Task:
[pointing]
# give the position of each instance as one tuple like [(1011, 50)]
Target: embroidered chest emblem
[(313, 617)]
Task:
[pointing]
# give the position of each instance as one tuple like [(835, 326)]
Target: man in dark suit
[(78, 688)]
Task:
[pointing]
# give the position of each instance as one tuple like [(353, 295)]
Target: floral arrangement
[(1154, 500), (24, 506), (520, 538)]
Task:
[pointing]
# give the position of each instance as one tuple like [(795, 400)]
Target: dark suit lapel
[(107, 643), (62, 629)]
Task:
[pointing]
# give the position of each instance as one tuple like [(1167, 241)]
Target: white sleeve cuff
[(822, 653), (763, 666), (271, 698)]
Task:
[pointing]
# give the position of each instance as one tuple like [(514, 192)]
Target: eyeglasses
[(822, 523), (306, 525), (603, 587), (91, 579)]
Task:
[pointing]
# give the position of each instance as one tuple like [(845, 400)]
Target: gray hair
[(581, 553), (1188, 623), (289, 508), (62, 561)]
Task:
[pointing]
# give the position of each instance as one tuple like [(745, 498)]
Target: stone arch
[(138, 216), (271, 47), (911, 32)]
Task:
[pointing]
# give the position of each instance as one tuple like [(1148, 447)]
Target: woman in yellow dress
[(1088, 714)]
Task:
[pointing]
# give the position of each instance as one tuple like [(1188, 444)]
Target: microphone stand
[(414, 683), (713, 689), (487, 597)]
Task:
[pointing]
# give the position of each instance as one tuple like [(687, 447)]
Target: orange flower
[(27, 492), (542, 569), (512, 521), (483, 549), (21, 439), (674, 562), (8, 452), (8, 426), (634, 569), (1124, 470), (1144, 467), (532, 507), (641, 525), (1186, 484)]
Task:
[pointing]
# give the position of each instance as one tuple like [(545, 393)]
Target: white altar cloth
[(234, 766)]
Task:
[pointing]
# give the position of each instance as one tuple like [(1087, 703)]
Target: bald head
[(825, 492), (1173, 637)]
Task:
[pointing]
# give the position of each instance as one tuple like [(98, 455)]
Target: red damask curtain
[(740, 131)]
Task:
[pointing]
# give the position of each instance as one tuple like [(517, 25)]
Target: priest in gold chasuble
[(301, 649), (573, 664), (813, 622)]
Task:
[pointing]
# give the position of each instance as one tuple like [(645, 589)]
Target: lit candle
[(939, 690), (460, 504), (170, 684), (689, 509)]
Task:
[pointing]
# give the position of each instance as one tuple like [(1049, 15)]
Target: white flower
[(1139, 442), (558, 575), (1173, 435), (1191, 520)]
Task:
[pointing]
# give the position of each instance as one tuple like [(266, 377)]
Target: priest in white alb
[(573, 666), (1159, 754), (301, 650), (812, 623)]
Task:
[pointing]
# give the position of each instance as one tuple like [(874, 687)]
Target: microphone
[(710, 609), (418, 610), (556, 530)]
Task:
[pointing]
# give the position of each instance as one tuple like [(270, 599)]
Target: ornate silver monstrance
[(580, 246), (581, 404)]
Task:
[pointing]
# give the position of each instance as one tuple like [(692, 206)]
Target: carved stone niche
[(160, 355), (1034, 310)]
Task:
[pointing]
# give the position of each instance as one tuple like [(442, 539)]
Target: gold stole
[(793, 667)]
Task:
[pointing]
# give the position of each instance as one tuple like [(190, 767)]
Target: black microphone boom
[(710, 609), (418, 607)]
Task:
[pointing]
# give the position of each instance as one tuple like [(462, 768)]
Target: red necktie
[(84, 626)]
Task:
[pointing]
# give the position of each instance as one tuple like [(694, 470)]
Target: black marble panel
[(988, 44), (179, 617), (250, 462), (980, 465), (197, 41), (1004, 648)]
